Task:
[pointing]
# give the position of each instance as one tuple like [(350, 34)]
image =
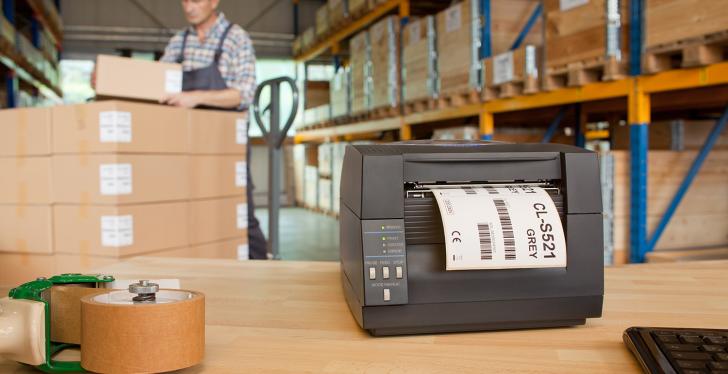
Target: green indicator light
[(382, 227), (384, 238)]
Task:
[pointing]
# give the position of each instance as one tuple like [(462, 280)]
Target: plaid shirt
[(237, 63)]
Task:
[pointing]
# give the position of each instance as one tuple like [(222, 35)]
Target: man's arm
[(228, 98)]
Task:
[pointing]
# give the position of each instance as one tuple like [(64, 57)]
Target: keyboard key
[(691, 355), (668, 339), (719, 365), (681, 347), (691, 339), (716, 340), (722, 356), (691, 364), (713, 348)]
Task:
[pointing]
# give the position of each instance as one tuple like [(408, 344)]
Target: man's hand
[(188, 99)]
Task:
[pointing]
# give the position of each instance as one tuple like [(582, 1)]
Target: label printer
[(396, 256)]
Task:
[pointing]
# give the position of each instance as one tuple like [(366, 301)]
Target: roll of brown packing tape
[(119, 335)]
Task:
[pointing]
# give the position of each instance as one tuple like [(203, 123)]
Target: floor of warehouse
[(305, 235)]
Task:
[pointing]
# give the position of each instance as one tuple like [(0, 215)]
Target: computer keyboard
[(679, 350)]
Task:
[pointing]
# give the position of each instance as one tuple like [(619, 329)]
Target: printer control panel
[(385, 262)]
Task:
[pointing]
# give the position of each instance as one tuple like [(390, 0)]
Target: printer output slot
[(422, 221)]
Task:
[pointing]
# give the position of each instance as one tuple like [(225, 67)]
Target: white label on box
[(117, 231), (503, 68), (453, 18), (173, 81), (241, 173), (242, 216), (115, 127), (510, 227), (414, 32), (570, 4), (243, 252), (241, 131), (115, 179)]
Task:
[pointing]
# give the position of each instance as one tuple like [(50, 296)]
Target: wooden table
[(291, 317)]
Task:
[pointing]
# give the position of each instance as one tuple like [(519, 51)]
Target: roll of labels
[(500, 227), (143, 329)]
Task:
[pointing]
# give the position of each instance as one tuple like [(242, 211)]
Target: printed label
[(570, 4), (115, 127), (115, 179), (453, 18), (117, 231), (243, 252), (241, 173), (241, 131), (242, 216), (507, 227), (173, 81), (503, 68)]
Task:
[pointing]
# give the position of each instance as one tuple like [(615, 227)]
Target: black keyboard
[(677, 350)]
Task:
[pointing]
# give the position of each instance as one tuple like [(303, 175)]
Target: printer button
[(387, 295), (385, 272), (372, 273), (398, 271)]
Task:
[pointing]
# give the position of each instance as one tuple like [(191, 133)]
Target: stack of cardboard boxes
[(89, 184)]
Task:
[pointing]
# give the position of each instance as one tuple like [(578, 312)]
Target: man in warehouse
[(218, 63)]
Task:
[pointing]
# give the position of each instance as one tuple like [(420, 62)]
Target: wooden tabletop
[(292, 317)]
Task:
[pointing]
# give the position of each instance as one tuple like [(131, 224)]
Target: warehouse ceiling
[(112, 26)]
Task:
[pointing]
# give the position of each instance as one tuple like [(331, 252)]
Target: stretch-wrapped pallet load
[(586, 41), (310, 186), (338, 12), (511, 73), (340, 93), (360, 62), (322, 21), (307, 39), (325, 195), (419, 60), (458, 43), (682, 33), (508, 19), (338, 164), (299, 164), (357, 8), (384, 37)]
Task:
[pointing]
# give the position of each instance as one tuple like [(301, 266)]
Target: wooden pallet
[(700, 51), (421, 105), (511, 89), (459, 98), (584, 72)]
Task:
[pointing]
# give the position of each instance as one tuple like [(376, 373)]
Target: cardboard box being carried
[(127, 78)]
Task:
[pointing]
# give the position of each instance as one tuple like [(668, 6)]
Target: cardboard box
[(359, 62), (120, 179), (217, 219), (325, 195), (119, 127), (25, 132), (218, 132), (322, 21), (26, 229), (217, 176), (227, 249), (116, 231), (19, 268), (384, 38), (457, 47), (127, 78), (419, 60), (339, 90), (26, 180)]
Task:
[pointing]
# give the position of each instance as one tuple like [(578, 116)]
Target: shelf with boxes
[(29, 50)]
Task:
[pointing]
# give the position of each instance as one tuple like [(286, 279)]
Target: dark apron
[(209, 79)]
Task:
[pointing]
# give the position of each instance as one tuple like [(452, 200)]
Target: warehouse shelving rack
[(632, 95), (19, 69)]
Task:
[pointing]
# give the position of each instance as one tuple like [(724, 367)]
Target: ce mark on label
[(455, 238)]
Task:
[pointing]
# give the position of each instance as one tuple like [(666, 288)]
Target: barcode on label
[(509, 242), (469, 191), (486, 242), (491, 190)]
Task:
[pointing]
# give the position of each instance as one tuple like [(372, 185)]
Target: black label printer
[(393, 250)]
